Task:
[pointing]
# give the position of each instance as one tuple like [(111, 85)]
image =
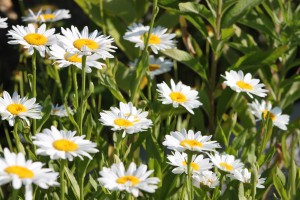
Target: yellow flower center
[(79, 43), (35, 39), (153, 67), (153, 39), (64, 145), (193, 164), (22, 172), (227, 166), (73, 58), (16, 108), (243, 85), (124, 179), (178, 97), (266, 112), (191, 143), (46, 17), (123, 122)]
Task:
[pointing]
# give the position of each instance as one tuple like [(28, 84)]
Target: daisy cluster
[(204, 158)]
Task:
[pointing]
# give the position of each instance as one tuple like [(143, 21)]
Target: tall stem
[(75, 86), (189, 176), (82, 106), (34, 87), (62, 178), (17, 138)]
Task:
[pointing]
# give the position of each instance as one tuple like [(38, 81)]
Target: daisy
[(198, 165), (240, 83), (159, 39), (86, 44), (244, 176), (64, 59), (179, 94), (263, 109), (12, 107), (3, 23), (63, 144), (156, 66), (32, 38), (226, 162), (60, 111), (127, 118), (182, 141), (206, 178), (14, 168), (47, 16), (133, 180)]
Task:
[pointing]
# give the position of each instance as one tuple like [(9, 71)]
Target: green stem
[(16, 136), (254, 181), (75, 84), (102, 16), (81, 186), (15, 194), (63, 164), (189, 177), (34, 86), (82, 106), (58, 82), (8, 137)]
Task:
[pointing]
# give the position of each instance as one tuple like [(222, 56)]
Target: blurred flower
[(156, 66), (182, 141), (198, 165), (65, 59), (133, 180), (63, 144), (47, 16), (159, 39), (243, 175), (206, 178), (226, 162), (86, 44), (32, 38), (60, 111), (3, 23), (12, 107), (14, 168), (127, 118), (179, 94), (263, 109), (240, 83)]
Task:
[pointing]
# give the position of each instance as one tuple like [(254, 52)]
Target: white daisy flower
[(64, 59), (226, 162), (14, 168), (3, 23), (63, 144), (198, 165), (179, 94), (206, 178), (60, 111), (47, 16), (133, 180), (159, 39), (127, 118), (263, 109), (182, 141), (244, 176), (32, 38), (156, 66), (240, 83), (86, 44), (12, 107)]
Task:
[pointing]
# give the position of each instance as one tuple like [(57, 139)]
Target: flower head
[(240, 83), (47, 16), (182, 141), (86, 44), (159, 39), (12, 107), (64, 59), (226, 162), (60, 111), (133, 180), (244, 176), (156, 66), (14, 168), (61, 144), (206, 178), (264, 109), (127, 118), (32, 38), (179, 94), (3, 23), (198, 165)]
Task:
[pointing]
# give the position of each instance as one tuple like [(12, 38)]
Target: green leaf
[(47, 111), (74, 183), (280, 188)]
